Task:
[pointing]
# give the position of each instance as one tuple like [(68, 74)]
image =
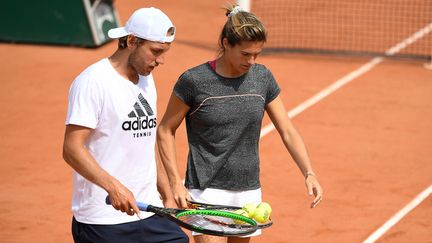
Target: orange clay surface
[(370, 141)]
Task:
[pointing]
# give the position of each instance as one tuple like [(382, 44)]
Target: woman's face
[(242, 56)]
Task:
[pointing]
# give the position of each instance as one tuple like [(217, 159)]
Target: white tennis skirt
[(226, 197)]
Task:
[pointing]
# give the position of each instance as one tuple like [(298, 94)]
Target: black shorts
[(153, 229)]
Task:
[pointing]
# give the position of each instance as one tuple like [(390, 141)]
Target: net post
[(244, 4), (429, 64)]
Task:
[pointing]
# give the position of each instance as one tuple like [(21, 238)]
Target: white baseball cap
[(147, 23)]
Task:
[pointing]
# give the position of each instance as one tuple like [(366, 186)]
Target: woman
[(223, 102)]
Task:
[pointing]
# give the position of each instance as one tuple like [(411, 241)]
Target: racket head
[(211, 222), (225, 208), (220, 223), (201, 205)]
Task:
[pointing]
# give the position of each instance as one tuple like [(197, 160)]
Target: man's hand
[(122, 199)]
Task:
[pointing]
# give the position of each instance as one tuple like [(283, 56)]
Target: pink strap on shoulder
[(213, 64)]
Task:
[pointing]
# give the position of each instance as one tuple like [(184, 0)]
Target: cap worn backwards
[(147, 23)]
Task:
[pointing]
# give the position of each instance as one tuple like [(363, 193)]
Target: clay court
[(369, 139)]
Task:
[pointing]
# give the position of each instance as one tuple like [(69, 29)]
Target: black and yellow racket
[(205, 221), (225, 208)]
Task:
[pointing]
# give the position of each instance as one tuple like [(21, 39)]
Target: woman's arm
[(173, 117), (295, 146), (163, 185)]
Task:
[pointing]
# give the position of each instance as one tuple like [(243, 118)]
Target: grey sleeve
[(273, 89), (184, 88)]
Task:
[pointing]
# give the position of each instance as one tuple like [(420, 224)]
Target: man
[(110, 138)]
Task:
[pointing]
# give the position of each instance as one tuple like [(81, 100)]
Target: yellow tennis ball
[(262, 212), (241, 212), (266, 206), (250, 209)]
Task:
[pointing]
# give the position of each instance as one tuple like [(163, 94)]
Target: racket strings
[(229, 209), (213, 223)]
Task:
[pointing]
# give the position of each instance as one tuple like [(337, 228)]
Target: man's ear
[(131, 41)]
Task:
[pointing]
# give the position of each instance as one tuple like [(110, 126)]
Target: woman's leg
[(238, 239), (209, 239)]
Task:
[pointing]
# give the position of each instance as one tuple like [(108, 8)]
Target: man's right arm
[(78, 157)]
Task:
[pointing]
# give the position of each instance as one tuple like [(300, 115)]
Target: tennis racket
[(205, 221), (225, 208)]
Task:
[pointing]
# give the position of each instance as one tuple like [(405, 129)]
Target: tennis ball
[(262, 212), (250, 209), (241, 212)]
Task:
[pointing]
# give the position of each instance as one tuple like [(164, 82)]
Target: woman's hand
[(314, 188)]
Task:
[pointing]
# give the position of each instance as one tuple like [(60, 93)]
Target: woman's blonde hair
[(241, 26)]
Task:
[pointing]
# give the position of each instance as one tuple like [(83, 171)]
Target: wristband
[(309, 173)]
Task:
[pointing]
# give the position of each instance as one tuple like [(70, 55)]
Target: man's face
[(147, 55)]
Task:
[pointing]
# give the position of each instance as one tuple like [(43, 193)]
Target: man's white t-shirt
[(123, 118)]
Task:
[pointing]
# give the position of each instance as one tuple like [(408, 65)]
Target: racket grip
[(142, 206)]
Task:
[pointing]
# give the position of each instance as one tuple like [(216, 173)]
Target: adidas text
[(139, 124)]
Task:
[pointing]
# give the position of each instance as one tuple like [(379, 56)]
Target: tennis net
[(366, 27)]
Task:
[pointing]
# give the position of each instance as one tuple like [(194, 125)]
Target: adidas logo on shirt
[(141, 120)]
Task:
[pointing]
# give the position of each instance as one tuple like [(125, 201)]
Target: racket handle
[(141, 206)]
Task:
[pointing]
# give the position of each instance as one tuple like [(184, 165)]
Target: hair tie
[(235, 11)]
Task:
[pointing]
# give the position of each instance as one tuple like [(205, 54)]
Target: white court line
[(351, 76), (345, 80), (326, 92), (399, 215)]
